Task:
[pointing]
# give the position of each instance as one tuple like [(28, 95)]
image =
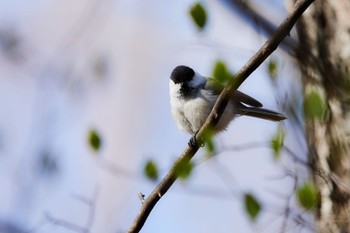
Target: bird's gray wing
[(216, 87), (246, 99)]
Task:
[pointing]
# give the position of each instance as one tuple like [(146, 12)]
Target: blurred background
[(85, 106)]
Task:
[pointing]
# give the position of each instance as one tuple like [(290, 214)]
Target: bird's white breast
[(191, 113)]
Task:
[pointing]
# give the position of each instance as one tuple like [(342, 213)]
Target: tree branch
[(218, 109)]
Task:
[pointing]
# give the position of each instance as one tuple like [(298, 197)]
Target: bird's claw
[(193, 143)]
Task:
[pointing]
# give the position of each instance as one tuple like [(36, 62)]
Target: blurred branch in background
[(11, 44), (245, 9), (49, 219)]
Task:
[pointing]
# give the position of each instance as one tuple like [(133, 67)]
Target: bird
[(192, 97)]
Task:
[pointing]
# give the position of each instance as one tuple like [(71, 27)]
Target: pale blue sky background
[(53, 90)]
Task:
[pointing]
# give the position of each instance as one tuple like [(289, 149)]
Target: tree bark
[(324, 59)]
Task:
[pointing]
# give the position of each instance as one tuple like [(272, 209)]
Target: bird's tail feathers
[(261, 113)]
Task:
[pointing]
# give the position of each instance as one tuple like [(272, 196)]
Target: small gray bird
[(192, 96)]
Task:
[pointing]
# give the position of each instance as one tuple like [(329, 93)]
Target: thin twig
[(218, 109), (141, 197), (86, 228), (233, 148), (296, 158)]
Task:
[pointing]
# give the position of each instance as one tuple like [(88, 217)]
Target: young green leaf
[(210, 146), (151, 170), (252, 206), (272, 68), (277, 142), (94, 140), (208, 141), (314, 106), (307, 196), (199, 15), (221, 73), (183, 169)]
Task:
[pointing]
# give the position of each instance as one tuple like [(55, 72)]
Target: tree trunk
[(324, 59)]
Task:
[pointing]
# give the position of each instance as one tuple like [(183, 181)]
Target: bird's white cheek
[(177, 107), (174, 89)]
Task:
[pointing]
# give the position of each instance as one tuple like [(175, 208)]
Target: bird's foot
[(193, 143)]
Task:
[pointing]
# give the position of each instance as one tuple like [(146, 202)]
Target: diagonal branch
[(218, 109)]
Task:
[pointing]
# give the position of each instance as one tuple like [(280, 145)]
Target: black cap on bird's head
[(182, 74)]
